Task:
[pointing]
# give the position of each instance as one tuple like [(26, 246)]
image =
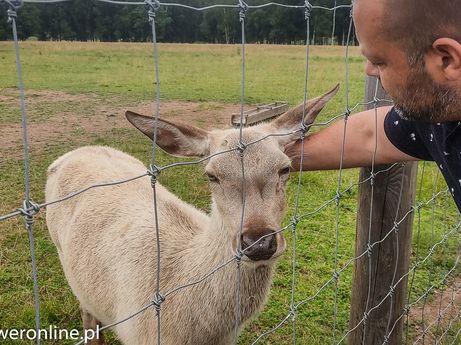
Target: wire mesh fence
[(431, 311)]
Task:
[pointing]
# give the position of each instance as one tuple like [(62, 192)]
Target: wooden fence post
[(383, 257)]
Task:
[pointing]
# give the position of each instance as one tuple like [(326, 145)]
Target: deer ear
[(175, 138), (291, 120)]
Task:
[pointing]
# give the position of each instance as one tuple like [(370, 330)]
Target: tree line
[(90, 20)]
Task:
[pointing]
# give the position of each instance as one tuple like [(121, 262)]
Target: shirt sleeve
[(406, 136)]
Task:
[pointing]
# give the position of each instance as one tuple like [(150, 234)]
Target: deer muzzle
[(258, 246)]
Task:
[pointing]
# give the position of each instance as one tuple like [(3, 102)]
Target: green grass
[(124, 74), (186, 71)]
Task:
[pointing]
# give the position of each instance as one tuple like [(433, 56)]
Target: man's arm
[(322, 150)]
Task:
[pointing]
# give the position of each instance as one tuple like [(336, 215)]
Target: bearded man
[(414, 48)]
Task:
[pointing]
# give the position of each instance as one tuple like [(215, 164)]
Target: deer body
[(124, 249), (106, 237)]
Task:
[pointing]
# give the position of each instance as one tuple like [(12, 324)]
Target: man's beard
[(424, 100)]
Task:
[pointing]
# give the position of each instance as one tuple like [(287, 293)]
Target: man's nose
[(372, 70)]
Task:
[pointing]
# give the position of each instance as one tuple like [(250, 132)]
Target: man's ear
[(444, 61), (291, 120), (175, 138)]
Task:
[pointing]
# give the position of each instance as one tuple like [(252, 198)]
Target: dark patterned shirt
[(430, 141)]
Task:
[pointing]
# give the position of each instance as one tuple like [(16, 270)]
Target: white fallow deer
[(106, 237)]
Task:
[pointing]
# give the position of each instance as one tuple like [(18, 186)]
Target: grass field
[(76, 93)]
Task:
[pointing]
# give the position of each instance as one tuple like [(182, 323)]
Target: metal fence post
[(374, 273)]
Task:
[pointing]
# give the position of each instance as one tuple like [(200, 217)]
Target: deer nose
[(257, 246)]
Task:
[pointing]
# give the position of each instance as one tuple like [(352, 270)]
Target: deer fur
[(106, 237)]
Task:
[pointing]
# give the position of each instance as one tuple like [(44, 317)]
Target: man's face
[(411, 87)]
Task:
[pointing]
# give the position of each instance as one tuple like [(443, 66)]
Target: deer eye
[(211, 177), (284, 171)]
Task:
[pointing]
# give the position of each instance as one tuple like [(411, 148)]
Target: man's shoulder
[(410, 137)]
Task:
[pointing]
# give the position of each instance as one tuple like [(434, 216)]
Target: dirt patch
[(62, 125), (10, 96), (432, 319)]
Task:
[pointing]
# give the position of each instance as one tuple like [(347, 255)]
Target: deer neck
[(214, 245), (209, 256)]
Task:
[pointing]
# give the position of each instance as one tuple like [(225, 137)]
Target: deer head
[(258, 159)]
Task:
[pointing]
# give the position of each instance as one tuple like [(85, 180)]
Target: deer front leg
[(91, 323)]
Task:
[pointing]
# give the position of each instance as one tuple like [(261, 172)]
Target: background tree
[(91, 20)]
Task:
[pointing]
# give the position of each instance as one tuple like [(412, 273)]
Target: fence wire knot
[(304, 129), (11, 15), (369, 250), (29, 210), (418, 206), (152, 6), (241, 147), (391, 291), (307, 10), (386, 340), (406, 309), (372, 179), (243, 7), (158, 300), (347, 113), (294, 222), (11, 12), (293, 311), (336, 276), (396, 228), (238, 256), (365, 318), (153, 172), (338, 197)]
